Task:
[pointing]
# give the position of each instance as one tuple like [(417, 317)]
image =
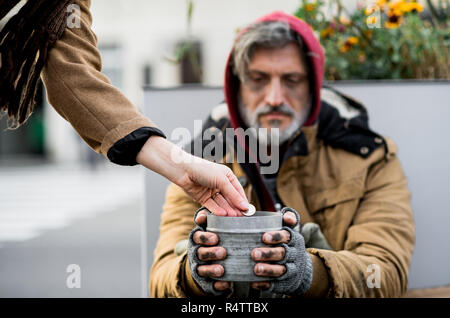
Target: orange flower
[(401, 7), (381, 3), (396, 8), (391, 25), (413, 7), (310, 6), (348, 44), (395, 13), (326, 33), (352, 40), (393, 21), (343, 48)]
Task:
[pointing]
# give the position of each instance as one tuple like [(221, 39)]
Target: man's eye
[(294, 80), (257, 79)]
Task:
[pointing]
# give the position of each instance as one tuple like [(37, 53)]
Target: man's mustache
[(268, 109)]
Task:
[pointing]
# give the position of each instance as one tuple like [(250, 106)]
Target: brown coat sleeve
[(81, 94), (382, 233)]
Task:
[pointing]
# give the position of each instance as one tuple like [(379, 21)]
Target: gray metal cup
[(239, 236)]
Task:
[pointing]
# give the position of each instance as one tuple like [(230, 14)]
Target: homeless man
[(344, 180)]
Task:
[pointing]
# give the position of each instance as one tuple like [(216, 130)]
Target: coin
[(251, 210)]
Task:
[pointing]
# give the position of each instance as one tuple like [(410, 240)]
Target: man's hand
[(205, 249), (293, 274), (262, 255)]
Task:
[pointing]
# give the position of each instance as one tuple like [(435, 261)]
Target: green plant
[(186, 51), (387, 40)]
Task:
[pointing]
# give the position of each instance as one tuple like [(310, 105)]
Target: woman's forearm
[(163, 157)]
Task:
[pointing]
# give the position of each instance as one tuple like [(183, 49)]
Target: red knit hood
[(316, 57)]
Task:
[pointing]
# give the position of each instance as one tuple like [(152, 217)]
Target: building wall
[(148, 31)]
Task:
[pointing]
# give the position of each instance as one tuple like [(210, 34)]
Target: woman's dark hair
[(25, 42)]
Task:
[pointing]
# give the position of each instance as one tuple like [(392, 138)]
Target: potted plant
[(187, 53)]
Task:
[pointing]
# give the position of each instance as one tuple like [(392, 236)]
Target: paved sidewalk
[(54, 216), (34, 199), (106, 248)]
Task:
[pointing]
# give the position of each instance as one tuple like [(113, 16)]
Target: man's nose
[(274, 95)]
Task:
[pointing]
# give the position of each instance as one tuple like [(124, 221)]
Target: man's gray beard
[(274, 137)]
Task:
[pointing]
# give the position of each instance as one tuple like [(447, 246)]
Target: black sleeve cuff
[(125, 150)]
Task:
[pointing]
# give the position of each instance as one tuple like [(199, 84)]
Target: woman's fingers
[(212, 206), (220, 201), (218, 205), (198, 177), (203, 179), (232, 190)]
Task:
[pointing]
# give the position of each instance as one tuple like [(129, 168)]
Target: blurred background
[(62, 204)]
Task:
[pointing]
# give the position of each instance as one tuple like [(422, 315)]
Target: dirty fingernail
[(258, 254), (204, 239)]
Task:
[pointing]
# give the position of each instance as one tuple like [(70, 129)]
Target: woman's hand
[(210, 184), (214, 186)]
